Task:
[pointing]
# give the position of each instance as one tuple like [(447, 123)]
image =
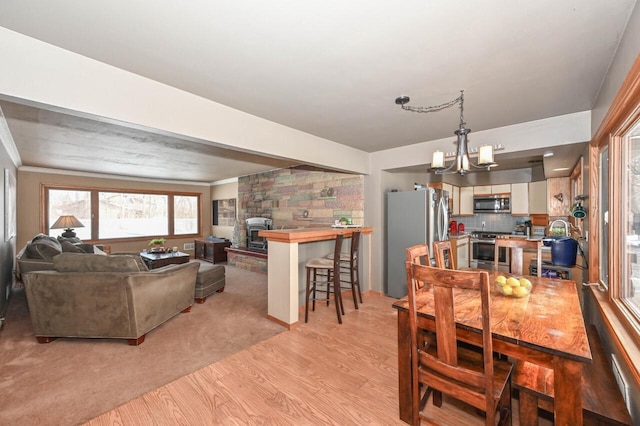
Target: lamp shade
[(437, 161), (485, 155), (66, 222)]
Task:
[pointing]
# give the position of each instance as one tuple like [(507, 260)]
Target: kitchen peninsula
[(288, 250)]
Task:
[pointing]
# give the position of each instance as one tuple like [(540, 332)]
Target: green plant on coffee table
[(157, 242)]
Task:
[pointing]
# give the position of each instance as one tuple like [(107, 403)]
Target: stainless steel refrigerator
[(412, 217)]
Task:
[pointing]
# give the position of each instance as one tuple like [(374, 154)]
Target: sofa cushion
[(68, 247), (43, 247), (80, 262)]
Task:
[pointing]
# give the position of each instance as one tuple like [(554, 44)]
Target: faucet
[(567, 227)]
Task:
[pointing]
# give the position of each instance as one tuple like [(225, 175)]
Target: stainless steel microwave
[(491, 204)]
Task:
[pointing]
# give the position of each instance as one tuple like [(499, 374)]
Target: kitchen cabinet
[(482, 190), (538, 197), (501, 189), (559, 196), (492, 189), (455, 210), (461, 252), (520, 199), (466, 201)]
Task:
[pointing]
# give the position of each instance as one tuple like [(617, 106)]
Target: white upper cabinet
[(520, 199), (455, 196), (501, 189), (466, 200), (482, 189), (492, 189), (538, 197)]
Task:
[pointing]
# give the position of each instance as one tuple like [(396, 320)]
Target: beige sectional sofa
[(97, 296)]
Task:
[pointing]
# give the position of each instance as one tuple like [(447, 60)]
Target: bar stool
[(324, 282), (349, 265)]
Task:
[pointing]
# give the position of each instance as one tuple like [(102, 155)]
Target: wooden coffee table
[(158, 260)]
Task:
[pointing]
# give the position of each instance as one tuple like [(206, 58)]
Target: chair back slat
[(442, 249), (516, 258), (418, 254)]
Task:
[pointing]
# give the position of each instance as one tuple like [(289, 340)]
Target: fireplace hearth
[(255, 225)]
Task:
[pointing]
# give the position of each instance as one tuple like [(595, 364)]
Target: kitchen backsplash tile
[(492, 222)]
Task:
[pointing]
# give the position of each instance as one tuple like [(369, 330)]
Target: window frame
[(95, 206), (620, 322)]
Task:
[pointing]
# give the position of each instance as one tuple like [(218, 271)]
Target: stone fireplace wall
[(300, 198)]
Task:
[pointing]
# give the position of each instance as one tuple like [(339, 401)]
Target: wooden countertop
[(307, 235), (456, 235)]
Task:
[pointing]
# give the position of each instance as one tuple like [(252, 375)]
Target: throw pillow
[(68, 247), (43, 247), (73, 240), (78, 262), (97, 250)]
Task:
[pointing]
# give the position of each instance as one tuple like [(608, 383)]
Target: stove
[(489, 235), (483, 250)]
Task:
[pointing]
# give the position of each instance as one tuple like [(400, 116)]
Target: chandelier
[(461, 164)]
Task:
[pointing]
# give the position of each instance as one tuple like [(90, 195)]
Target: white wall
[(625, 57)]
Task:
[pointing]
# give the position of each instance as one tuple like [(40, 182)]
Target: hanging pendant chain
[(441, 107)]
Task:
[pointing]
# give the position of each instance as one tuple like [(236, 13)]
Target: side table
[(212, 250), (158, 260)]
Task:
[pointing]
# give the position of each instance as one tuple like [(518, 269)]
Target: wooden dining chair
[(442, 252), (477, 379), (517, 247), (418, 254)]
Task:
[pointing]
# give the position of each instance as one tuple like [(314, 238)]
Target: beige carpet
[(70, 381)]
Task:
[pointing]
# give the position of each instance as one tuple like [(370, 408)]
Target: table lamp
[(67, 223)]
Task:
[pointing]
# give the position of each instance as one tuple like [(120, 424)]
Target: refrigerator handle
[(442, 219)]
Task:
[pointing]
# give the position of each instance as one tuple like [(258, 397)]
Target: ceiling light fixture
[(462, 164)]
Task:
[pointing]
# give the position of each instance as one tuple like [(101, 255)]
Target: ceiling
[(329, 68)]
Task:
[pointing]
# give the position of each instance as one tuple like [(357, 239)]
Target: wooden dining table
[(545, 327)]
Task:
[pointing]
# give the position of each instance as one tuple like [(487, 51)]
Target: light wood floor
[(317, 373)]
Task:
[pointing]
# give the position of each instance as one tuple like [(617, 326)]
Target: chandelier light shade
[(485, 154), (461, 163), (67, 222), (437, 162)]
